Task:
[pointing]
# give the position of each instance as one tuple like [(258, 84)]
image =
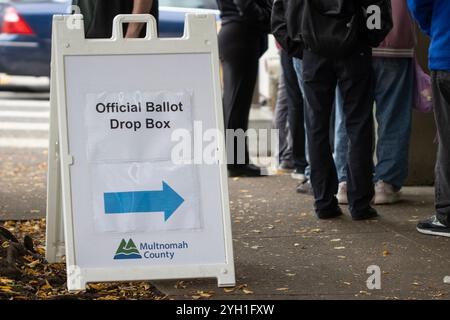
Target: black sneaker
[(305, 188), (248, 170), (329, 214), (433, 227), (368, 214)]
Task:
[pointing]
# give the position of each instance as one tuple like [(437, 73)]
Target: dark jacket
[(286, 27), (99, 15), (254, 13), (286, 24)]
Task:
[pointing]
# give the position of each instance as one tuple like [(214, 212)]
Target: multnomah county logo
[(127, 251)]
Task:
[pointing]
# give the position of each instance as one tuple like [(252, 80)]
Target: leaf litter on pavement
[(26, 275)]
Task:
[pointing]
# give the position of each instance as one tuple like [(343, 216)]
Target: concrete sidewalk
[(283, 252)]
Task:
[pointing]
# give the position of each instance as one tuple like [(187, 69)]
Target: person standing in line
[(289, 109), (280, 123), (393, 66), (433, 18), (296, 117), (243, 39), (320, 75), (338, 55), (98, 16), (285, 12)]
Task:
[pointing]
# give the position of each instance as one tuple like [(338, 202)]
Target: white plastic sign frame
[(200, 37)]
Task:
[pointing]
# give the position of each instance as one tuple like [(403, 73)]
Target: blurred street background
[(275, 231), (24, 124)]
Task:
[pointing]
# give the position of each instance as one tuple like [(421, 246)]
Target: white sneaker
[(297, 175), (342, 193), (385, 194)]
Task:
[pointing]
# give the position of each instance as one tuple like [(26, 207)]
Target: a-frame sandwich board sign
[(119, 109)]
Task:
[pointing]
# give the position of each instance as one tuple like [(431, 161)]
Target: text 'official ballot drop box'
[(128, 211)]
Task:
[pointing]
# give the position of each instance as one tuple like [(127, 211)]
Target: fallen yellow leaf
[(97, 287), (7, 289), (6, 281), (31, 272), (29, 258), (204, 294), (247, 291), (46, 286), (33, 264), (108, 298)]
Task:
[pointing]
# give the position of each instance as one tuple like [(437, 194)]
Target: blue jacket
[(433, 17)]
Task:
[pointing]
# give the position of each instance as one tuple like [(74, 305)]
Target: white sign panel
[(145, 196), (130, 212), (128, 119)]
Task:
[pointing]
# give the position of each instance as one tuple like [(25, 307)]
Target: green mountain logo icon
[(127, 250)]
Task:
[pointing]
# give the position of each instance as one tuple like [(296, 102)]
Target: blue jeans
[(298, 70), (280, 123), (340, 139), (394, 83)]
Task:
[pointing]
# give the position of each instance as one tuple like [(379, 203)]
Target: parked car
[(26, 27)]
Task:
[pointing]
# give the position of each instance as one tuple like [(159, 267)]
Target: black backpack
[(335, 28)]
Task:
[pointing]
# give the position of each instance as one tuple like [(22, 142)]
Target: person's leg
[(340, 148), (305, 186), (394, 81), (356, 84), (439, 225), (319, 84), (295, 112), (239, 51), (280, 123), (340, 139), (441, 93)]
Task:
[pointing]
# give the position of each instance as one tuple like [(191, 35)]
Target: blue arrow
[(166, 201)]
